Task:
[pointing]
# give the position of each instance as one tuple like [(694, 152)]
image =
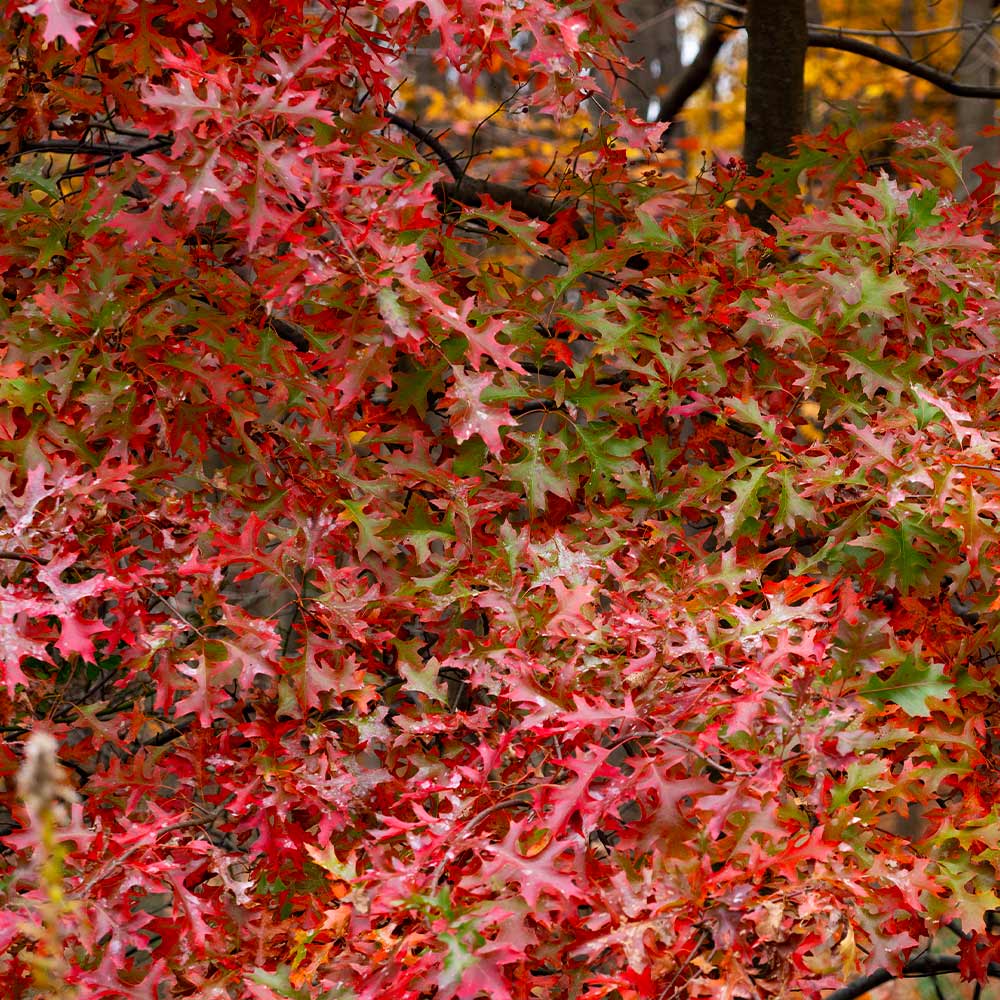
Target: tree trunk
[(777, 37), (973, 115)]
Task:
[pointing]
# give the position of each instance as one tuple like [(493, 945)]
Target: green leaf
[(279, 982), (922, 207), (745, 505), (617, 333), (419, 528), (748, 411), (861, 776), (606, 456), (470, 457), (904, 565), (875, 373), (925, 412), (792, 507), (420, 675), (911, 684), (32, 170), (26, 392), (591, 398), (396, 315), (866, 292), (368, 528), (778, 323), (538, 475)]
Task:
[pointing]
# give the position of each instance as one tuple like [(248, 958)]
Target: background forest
[(843, 88)]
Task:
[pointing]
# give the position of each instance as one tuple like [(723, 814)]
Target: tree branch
[(431, 141), (290, 332), (22, 557), (922, 967), (947, 29), (210, 817), (941, 80), (469, 191), (106, 152), (861, 986)]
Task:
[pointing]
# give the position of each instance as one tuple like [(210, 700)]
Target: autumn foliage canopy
[(413, 621)]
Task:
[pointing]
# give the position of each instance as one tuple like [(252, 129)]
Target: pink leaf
[(61, 20), (470, 415)]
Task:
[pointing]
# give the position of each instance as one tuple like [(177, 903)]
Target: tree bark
[(777, 38), (972, 116)]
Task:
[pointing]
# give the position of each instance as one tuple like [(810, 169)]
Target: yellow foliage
[(812, 428), (841, 79)]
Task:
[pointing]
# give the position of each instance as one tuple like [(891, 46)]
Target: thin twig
[(72, 146), (479, 125), (699, 941), (520, 800), (686, 747), (924, 967), (107, 152), (21, 557), (821, 37), (983, 29), (697, 72)]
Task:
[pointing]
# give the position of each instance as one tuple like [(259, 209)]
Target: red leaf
[(566, 227), (976, 951)]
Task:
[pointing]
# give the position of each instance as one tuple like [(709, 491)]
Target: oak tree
[(384, 618)]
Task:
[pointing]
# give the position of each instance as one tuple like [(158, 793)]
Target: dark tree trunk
[(777, 38), (977, 67)]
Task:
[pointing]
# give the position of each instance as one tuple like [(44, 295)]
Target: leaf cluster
[(414, 623)]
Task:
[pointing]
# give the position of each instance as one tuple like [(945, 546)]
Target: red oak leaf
[(470, 415)]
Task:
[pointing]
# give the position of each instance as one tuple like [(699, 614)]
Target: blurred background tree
[(689, 67)]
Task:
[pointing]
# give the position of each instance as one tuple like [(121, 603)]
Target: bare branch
[(471, 189), (861, 986), (22, 557), (840, 39), (948, 29), (922, 967), (72, 146), (290, 332), (210, 817), (106, 152), (971, 47), (832, 40)]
